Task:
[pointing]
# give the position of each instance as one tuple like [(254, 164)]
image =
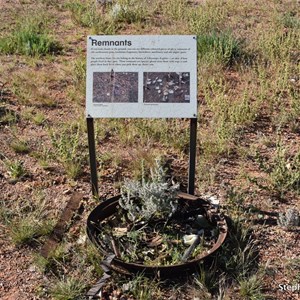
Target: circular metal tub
[(110, 206)]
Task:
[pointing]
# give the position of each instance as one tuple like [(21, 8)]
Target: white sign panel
[(141, 76)]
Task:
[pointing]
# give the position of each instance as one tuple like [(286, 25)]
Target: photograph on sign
[(141, 76), (115, 86), (167, 87)]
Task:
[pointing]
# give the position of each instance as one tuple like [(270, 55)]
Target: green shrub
[(219, 48), (129, 11), (290, 20), (279, 45), (26, 230), (84, 13), (29, 38), (68, 148), (20, 146), (15, 168), (250, 288), (285, 171), (205, 18)]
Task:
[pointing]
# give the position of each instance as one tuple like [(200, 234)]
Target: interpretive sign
[(141, 76)]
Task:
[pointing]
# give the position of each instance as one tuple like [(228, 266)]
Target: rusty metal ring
[(109, 207)]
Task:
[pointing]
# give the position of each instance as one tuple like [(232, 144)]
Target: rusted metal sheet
[(110, 206), (62, 224)]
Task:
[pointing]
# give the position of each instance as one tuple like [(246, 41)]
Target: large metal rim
[(109, 207)]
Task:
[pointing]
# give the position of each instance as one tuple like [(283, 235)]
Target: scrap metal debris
[(61, 226)]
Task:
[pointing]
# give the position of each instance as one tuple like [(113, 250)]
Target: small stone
[(189, 239), (32, 268), (214, 201), (81, 240)]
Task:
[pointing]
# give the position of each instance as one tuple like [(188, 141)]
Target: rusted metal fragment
[(186, 196), (62, 224), (95, 289)]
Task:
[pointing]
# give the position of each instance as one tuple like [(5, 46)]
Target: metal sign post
[(92, 154), (192, 157)]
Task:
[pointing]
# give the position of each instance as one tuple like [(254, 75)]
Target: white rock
[(81, 240), (214, 201), (189, 239)]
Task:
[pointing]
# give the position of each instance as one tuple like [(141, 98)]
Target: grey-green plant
[(289, 219), (142, 200), (30, 38)]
